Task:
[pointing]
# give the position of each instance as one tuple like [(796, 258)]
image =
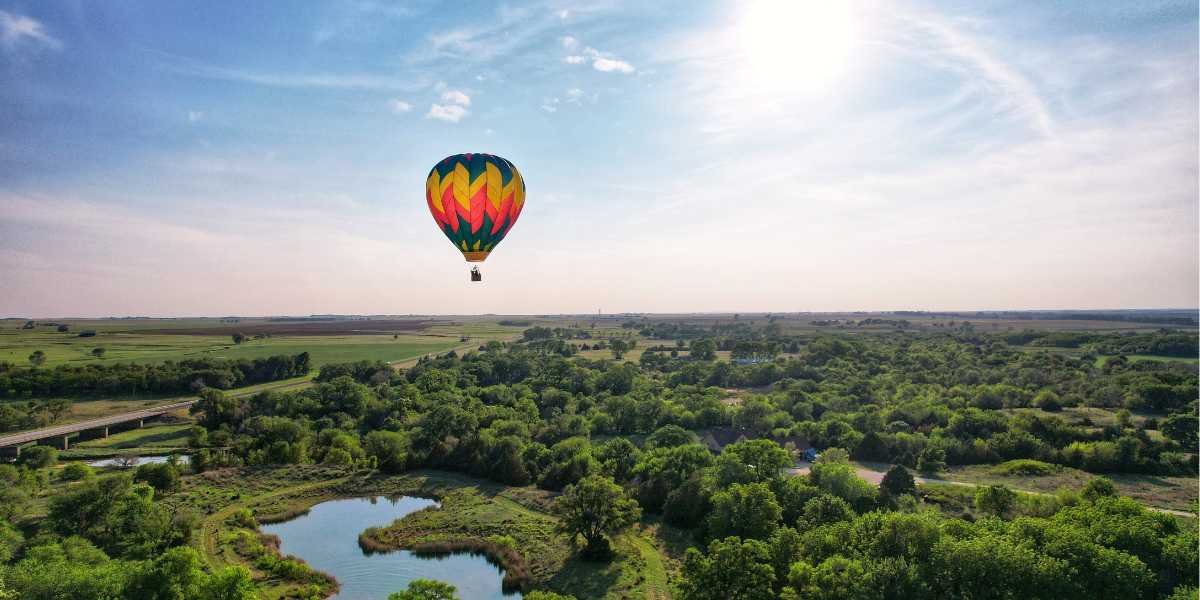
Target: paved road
[(25, 437)]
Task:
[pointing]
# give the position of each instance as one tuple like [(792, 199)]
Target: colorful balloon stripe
[(475, 199)]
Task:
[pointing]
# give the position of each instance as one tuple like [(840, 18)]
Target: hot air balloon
[(475, 199)]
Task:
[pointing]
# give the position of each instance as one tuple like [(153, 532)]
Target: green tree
[(238, 338), (37, 359), (836, 578), (664, 470), (745, 511), (230, 583), (669, 436), (751, 461), (732, 569), (617, 457), (163, 477), (835, 475), (594, 508), (1183, 429), (174, 575), (426, 589), (390, 450), (995, 500), (703, 349), (39, 457), (932, 459), (11, 540), (77, 471), (1098, 487), (98, 352), (825, 509), (897, 482), (544, 595)]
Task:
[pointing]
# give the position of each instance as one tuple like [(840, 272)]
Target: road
[(875, 477), (25, 437), (69, 429)]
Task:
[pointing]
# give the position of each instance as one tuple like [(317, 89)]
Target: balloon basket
[(475, 274)]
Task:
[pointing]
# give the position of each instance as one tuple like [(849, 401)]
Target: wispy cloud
[(194, 116), (331, 81), (399, 106), (19, 29), (1006, 80)]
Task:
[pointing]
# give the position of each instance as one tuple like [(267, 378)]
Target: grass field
[(1174, 493)]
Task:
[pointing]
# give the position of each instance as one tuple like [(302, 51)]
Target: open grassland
[(156, 438), (1171, 493), (513, 525)]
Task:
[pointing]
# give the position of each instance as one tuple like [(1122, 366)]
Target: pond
[(117, 461), (327, 539)]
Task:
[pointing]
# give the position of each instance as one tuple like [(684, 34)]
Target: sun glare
[(796, 45)]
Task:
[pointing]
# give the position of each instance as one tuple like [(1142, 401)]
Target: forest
[(169, 377), (615, 443)]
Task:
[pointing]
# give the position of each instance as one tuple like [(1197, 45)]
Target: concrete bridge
[(62, 434)]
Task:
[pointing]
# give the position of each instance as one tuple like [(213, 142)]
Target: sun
[(796, 45)]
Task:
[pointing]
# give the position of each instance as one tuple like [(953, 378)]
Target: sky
[(170, 158)]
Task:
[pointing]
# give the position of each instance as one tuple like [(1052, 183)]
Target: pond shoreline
[(329, 558)]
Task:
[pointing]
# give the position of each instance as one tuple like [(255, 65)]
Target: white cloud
[(601, 61), (451, 113), (16, 28), (195, 115), (563, 14), (609, 65), (550, 105), (456, 97), (399, 106), (574, 95)]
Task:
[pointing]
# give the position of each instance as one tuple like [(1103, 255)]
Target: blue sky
[(182, 158)]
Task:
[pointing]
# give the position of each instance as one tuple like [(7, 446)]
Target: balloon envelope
[(475, 199)]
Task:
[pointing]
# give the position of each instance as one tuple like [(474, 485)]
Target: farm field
[(157, 340)]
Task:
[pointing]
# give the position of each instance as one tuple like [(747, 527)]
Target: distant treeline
[(1160, 343), (163, 378), (1165, 317)]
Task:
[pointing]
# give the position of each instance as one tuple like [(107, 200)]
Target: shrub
[(1026, 468), (76, 471)]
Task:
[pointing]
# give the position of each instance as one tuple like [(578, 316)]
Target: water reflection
[(327, 539)]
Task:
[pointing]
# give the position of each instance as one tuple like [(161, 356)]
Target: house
[(717, 438)]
